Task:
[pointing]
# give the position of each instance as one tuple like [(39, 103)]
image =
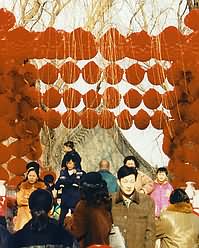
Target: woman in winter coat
[(31, 183), (91, 222), (178, 226)]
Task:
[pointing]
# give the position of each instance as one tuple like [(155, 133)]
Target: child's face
[(70, 165), (67, 149), (161, 176)]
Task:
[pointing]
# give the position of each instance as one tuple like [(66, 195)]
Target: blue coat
[(110, 179)]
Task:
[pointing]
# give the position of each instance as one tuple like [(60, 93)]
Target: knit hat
[(41, 199), (125, 171), (92, 180), (33, 166)]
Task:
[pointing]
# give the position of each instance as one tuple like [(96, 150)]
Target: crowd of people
[(93, 209)]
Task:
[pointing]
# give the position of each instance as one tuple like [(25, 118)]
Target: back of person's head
[(131, 158), (125, 171), (94, 189), (49, 179), (40, 203), (162, 169), (178, 196), (70, 144)]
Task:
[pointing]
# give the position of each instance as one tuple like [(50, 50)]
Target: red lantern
[(48, 73), (5, 129), (15, 181), (92, 99), (4, 174), (91, 73), (7, 20), (141, 119), (125, 120), (4, 154), (191, 20), (152, 99), (70, 119), (169, 100), (71, 98), (111, 97), (52, 98), (106, 119), (89, 119), (19, 148), (156, 74), (52, 118), (135, 74), (113, 74), (32, 96), (69, 72), (35, 152), (30, 73), (166, 146), (132, 98), (158, 119), (17, 166)]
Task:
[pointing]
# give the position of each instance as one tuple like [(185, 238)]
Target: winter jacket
[(178, 227), (74, 155), (136, 222), (160, 195), (53, 236), (110, 179), (6, 240)]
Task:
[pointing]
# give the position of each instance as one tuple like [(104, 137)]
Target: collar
[(165, 182), (134, 197), (182, 207)]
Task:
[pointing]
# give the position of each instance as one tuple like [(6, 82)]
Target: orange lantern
[(15, 181), (69, 72), (4, 174), (19, 148), (141, 119), (91, 73), (52, 98), (91, 99), (32, 96), (135, 74), (106, 119), (113, 74), (30, 73), (191, 20), (17, 166), (71, 98), (166, 146), (4, 154), (5, 129), (38, 115), (70, 119), (89, 119), (125, 119), (111, 97), (48, 73), (35, 151), (27, 129), (52, 118), (7, 19), (191, 133), (169, 100), (152, 99), (158, 119), (132, 98), (156, 74)]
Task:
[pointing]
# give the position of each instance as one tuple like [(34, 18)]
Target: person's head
[(178, 196), (104, 164), (32, 173), (70, 163), (94, 189), (126, 179), (131, 161), (69, 146), (49, 179), (162, 174)]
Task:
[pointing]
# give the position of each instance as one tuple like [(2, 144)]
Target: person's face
[(104, 164), (161, 176), (127, 184), (130, 163), (32, 177), (67, 149), (70, 165)]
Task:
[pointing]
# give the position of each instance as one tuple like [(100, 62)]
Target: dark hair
[(179, 195), (131, 158), (49, 179), (69, 144), (94, 190), (40, 203), (125, 171), (162, 169)]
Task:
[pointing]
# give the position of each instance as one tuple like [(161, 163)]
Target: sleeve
[(162, 226), (147, 184), (150, 230)]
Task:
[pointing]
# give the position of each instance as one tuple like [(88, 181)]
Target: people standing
[(133, 212), (111, 180)]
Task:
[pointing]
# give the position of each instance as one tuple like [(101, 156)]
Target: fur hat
[(40, 199), (32, 166)]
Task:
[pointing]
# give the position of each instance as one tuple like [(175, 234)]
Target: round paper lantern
[(50, 37), (69, 72), (4, 174), (89, 119), (70, 119), (91, 73), (26, 129), (191, 133), (191, 20), (111, 97), (4, 154), (35, 152), (30, 73), (32, 96), (17, 166), (112, 45), (132, 98), (52, 98), (5, 129), (91, 99), (71, 98), (106, 119), (19, 148), (156, 74), (38, 115), (170, 37), (158, 119), (152, 99), (141, 119), (48, 73), (135, 74), (52, 118), (15, 181), (5, 105), (166, 146), (7, 19), (169, 100), (113, 74), (125, 120)]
